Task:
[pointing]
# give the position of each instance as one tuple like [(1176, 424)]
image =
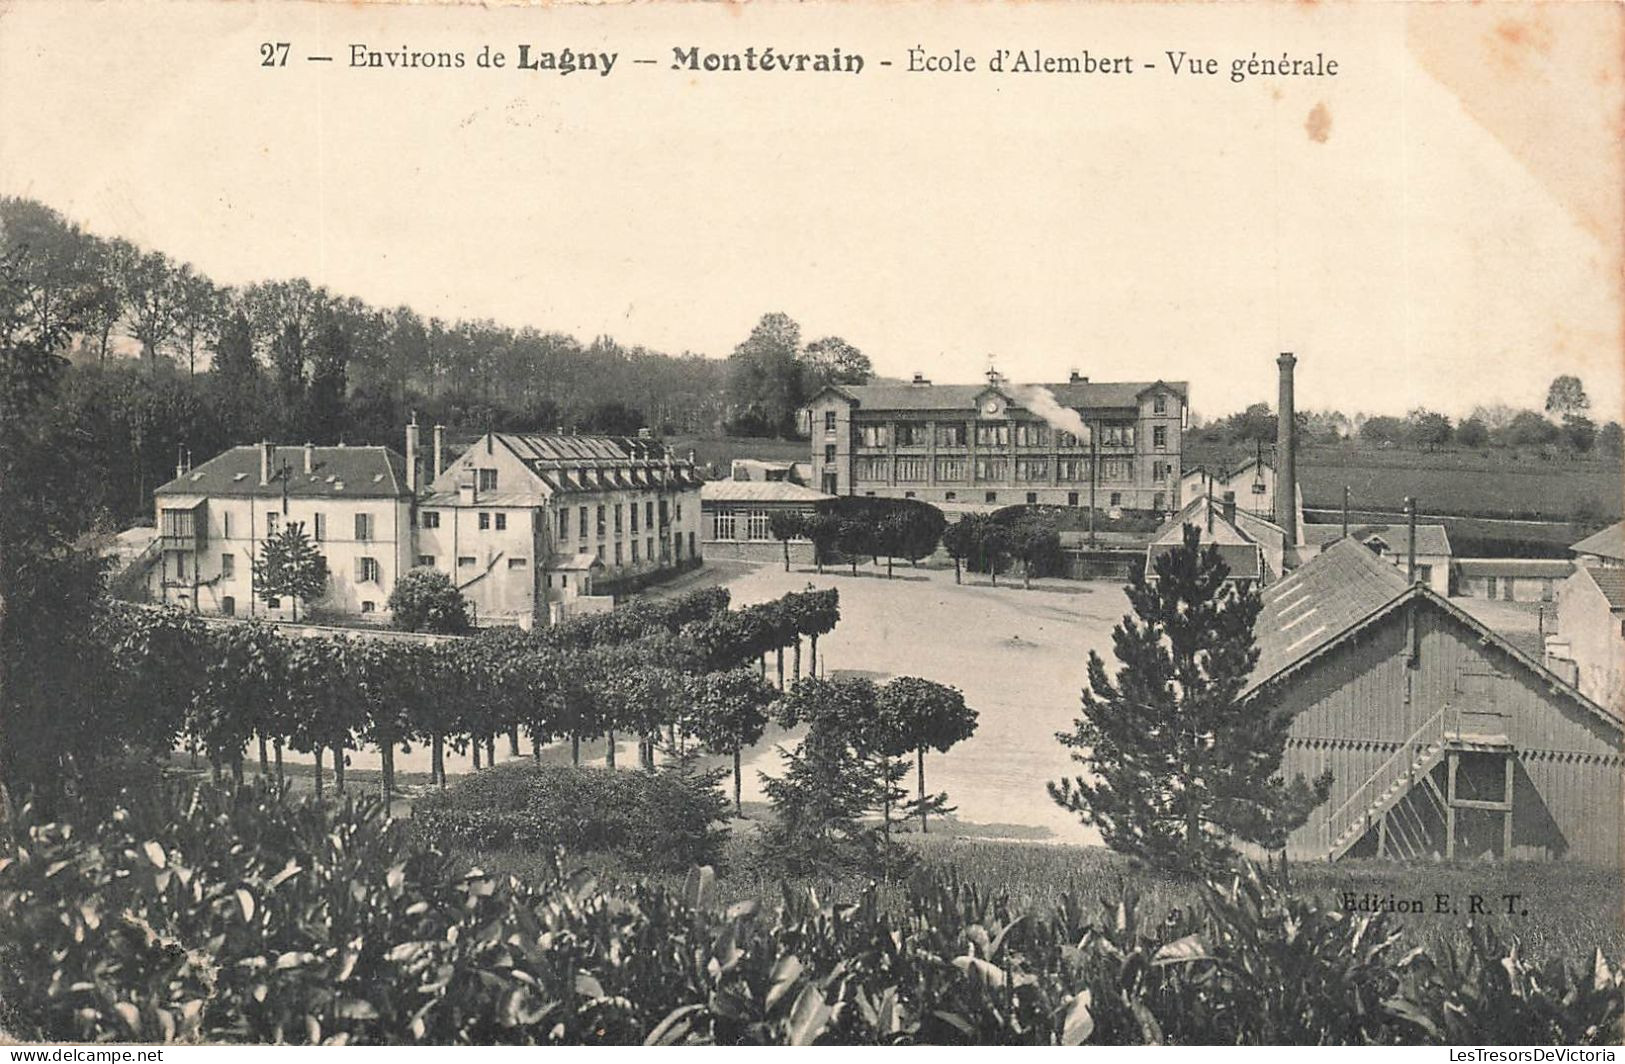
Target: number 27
[(273, 55)]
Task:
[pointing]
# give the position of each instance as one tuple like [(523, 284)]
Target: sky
[(1436, 225)]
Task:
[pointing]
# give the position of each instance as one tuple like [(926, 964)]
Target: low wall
[(733, 550)]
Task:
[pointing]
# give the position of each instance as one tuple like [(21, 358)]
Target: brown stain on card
[(1319, 123)]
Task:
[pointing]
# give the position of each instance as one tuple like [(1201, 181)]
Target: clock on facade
[(991, 406)]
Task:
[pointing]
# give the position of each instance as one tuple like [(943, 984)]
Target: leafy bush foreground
[(211, 915)]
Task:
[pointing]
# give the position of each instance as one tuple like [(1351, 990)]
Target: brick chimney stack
[(439, 450), (267, 457), (412, 455), (1286, 451), (310, 457)]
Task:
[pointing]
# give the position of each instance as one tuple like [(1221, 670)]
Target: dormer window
[(1159, 404), (487, 479)]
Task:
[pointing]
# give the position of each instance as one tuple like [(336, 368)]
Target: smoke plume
[(1041, 401)]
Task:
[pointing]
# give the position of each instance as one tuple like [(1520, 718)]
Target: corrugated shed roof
[(1548, 568), (1430, 539), (1318, 602), (759, 491), (1609, 543), (337, 472), (1091, 396), (1611, 582)]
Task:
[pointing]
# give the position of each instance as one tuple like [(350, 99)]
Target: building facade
[(1605, 549), (999, 443), (1511, 579), (354, 503), (511, 519), (737, 516), (1392, 543), (1590, 640)]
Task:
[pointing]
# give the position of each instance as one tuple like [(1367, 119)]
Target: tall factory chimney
[(439, 451), (1286, 452)]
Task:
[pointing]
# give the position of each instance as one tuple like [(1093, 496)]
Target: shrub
[(661, 820), (425, 600)]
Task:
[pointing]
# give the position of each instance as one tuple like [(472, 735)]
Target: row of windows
[(228, 605), (757, 525), (1028, 470), (997, 434), (624, 515), (1072, 498)]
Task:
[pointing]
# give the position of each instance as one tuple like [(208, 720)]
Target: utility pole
[(1094, 475), (1345, 511)]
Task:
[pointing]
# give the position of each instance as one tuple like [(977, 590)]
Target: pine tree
[(289, 564), (1176, 767)]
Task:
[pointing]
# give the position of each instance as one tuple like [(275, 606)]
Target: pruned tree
[(730, 713), (786, 525), (823, 530), (425, 600), (1176, 765), (919, 715)]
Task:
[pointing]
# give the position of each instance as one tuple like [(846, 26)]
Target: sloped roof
[(1611, 582), (781, 491), (1090, 396), (337, 473), (611, 462), (1430, 539), (1318, 602), (575, 562), (1609, 543)]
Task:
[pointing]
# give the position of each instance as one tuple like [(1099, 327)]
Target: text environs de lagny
[(564, 61)]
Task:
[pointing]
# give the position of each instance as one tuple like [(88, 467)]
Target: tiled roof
[(1548, 568), (1611, 582), (336, 472), (1242, 558), (1318, 602), (611, 462), (1091, 396), (1609, 543), (758, 491), (1430, 539)]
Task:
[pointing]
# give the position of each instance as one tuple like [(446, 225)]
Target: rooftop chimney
[(919, 378), (1286, 450), (1074, 377), (439, 450), (267, 456), (180, 461), (412, 455), (310, 457)]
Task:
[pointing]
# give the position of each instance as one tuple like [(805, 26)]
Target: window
[(1156, 500), (992, 468), (1032, 469), (366, 570), (1032, 434), (992, 496), (600, 552), (618, 558), (1115, 469), (228, 606), (649, 514), (1032, 498), (225, 524), (367, 606), (873, 435), (603, 523), (950, 469), (1546, 589), (564, 524), (637, 550), (180, 566), (725, 525), (321, 527), (426, 559), (663, 521), (618, 509), (632, 512), (829, 452), (949, 496), (993, 434), (679, 508), (488, 479), (228, 566), (464, 561), (1489, 587), (1159, 437), (272, 602), (951, 435), (910, 434), (1424, 573), (1073, 470), (485, 521), (1508, 589), (908, 495), (502, 522), (871, 468), (1117, 435), (912, 470), (829, 422), (271, 520), (1117, 498), (757, 526), (1072, 498), (1159, 405), (1160, 471), (692, 553), (518, 563), (363, 527), (649, 548), (431, 519), (1067, 439)]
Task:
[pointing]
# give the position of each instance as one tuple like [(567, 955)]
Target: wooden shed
[(1443, 739)]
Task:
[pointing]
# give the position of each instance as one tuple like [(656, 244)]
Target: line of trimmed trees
[(667, 671), (851, 529)]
